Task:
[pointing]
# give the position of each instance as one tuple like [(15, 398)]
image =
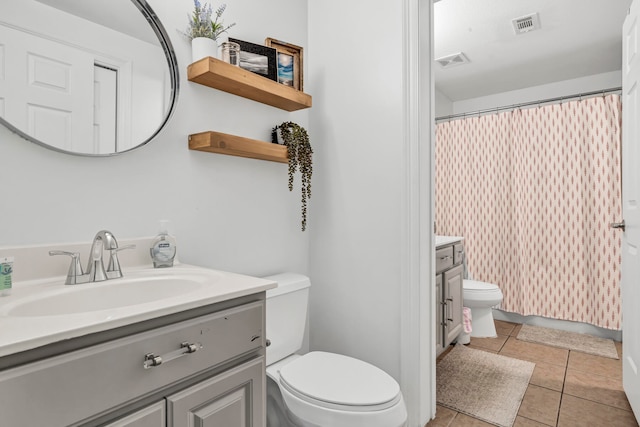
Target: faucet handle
[(113, 269), (75, 268)]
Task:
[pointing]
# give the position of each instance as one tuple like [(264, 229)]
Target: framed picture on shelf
[(289, 63), (258, 59)]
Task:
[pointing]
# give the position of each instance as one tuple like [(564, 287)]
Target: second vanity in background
[(449, 281)]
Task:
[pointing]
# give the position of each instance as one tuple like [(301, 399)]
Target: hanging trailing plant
[(300, 154)]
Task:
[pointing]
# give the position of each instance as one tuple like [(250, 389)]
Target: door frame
[(418, 334)]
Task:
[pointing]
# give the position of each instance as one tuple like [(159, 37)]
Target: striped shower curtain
[(533, 191)]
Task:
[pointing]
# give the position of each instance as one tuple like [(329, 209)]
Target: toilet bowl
[(481, 297), (320, 389)]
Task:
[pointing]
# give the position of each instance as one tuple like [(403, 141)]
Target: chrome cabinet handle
[(444, 258), (151, 360), (621, 225)]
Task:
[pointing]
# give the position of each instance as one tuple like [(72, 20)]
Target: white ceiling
[(578, 38)]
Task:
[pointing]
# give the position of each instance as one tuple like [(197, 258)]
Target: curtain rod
[(528, 104)]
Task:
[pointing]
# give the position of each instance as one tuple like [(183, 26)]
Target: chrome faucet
[(95, 268), (104, 240)]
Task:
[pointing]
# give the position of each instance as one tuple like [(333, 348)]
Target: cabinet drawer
[(104, 376), (458, 253), (444, 258)]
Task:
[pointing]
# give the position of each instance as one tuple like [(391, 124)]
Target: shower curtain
[(533, 191)]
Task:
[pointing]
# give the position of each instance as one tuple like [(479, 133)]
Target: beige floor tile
[(595, 364), (443, 418), (534, 352), (504, 328), (462, 420), (548, 375), (541, 405), (516, 331), (526, 422), (606, 390), (579, 412), (482, 349), (494, 344)]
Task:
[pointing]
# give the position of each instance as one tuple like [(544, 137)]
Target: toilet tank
[(286, 315)]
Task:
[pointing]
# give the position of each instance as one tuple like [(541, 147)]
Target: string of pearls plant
[(300, 153)]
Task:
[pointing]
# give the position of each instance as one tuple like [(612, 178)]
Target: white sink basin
[(46, 311), (141, 288)]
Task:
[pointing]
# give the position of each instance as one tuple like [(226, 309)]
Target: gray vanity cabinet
[(449, 296), (206, 364)]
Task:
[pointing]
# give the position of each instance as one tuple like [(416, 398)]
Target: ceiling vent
[(527, 23), (453, 60)]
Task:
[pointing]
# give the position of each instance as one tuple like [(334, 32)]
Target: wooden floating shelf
[(222, 143), (232, 79)]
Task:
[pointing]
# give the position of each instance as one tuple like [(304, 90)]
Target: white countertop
[(447, 240), (24, 332)]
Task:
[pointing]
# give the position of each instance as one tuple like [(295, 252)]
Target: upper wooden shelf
[(232, 79), (223, 143)]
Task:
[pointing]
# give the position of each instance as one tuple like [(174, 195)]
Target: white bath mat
[(569, 340)]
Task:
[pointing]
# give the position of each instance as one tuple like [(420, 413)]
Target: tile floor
[(567, 388)]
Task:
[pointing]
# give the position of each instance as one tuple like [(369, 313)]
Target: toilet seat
[(475, 285), (340, 382), (476, 292)]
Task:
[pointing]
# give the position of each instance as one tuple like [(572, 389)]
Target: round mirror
[(88, 77)]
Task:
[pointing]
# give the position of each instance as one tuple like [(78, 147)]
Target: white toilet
[(320, 389), (481, 297)]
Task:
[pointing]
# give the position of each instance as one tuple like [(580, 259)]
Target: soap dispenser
[(163, 248)]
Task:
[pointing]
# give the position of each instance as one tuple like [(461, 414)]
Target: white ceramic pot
[(201, 47)]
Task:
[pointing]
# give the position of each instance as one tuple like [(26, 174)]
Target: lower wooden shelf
[(222, 143)]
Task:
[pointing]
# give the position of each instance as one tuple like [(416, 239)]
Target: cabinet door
[(235, 398), (439, 316), (151, 416), (453, 303)]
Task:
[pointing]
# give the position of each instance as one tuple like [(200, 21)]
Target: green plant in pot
[(300, 154), (201, 23)]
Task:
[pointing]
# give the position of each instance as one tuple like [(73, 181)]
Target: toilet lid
[(475, 285), (338, 379)]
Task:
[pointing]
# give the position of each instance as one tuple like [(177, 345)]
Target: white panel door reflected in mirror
[(89, 77)]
